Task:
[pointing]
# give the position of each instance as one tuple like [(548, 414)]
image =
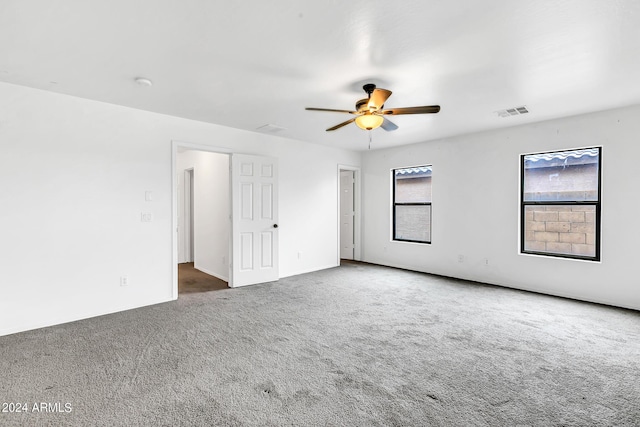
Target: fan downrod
[(369, 88)]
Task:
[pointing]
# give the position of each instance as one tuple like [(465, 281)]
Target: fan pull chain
[(369, 140)]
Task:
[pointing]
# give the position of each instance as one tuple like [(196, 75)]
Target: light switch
[(148, 196)]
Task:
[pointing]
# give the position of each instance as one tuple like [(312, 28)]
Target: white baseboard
[(211, 273), (60, 320), (310, 270)]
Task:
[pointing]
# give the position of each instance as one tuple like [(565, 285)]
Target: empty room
[(305, 213)]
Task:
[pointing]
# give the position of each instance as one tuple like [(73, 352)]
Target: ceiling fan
[(370, 114)]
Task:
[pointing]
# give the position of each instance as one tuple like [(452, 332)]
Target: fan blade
[(341, 124), (331, 110), (388, 125), (429, 109), (378, 98)]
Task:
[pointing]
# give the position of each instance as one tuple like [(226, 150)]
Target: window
[(561, 204), (412, 204)]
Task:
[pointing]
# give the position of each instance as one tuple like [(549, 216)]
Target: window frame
[(394, 204), (597, 209)]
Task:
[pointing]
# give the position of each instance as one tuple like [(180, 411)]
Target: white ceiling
[(249, 63)]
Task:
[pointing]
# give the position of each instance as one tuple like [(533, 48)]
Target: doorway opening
[(202, 204), (348, 214)]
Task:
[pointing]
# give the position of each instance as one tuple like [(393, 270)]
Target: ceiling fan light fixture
[(369, 121), (370, 114)]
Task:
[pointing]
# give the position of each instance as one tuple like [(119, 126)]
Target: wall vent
[(515, 111), (270, 129)]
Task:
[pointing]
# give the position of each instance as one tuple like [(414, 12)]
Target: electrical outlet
[(146, 217), (460, 258), (486, 261), (124, 280), (299, 255)]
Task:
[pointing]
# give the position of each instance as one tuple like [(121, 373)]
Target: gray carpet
[(358, 345)]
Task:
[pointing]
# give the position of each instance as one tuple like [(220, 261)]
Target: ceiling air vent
[(515, 111), (270, 129)]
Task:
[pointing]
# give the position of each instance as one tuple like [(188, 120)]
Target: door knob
[(275, 225)]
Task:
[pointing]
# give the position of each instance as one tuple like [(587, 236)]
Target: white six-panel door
[(254, 243)]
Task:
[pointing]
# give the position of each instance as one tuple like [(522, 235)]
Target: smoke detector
[(143, 81)]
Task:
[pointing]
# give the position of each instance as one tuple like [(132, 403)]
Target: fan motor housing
[(362, 105)]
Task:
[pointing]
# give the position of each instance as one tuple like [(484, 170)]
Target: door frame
[(175, 145), (357, 217), (188, 205)]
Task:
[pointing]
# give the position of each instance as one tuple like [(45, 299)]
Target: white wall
[(211, 207), (74, 174), (476, 208)]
